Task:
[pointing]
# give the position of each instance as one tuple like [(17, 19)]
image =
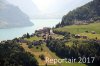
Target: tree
[(41, 49), (42, 57), (28, 36)]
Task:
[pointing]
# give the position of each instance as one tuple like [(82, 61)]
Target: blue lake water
[(8, 34)]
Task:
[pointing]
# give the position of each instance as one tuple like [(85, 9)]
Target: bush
[(42, 57)]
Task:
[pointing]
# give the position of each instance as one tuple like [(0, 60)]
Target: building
[(51, 32)]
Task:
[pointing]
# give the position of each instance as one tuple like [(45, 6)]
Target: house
[(2, 42), (80, 36), (51, 32), (84, 37), (42, 32), (77, 36), (93, 32)]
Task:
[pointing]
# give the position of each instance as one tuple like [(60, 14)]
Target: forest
[(12, 54)]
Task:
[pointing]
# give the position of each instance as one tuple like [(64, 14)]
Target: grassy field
[(91, 36), (69, 44), (36, 54), (35, 38), (81, 28), (56, 36), (46, 52)]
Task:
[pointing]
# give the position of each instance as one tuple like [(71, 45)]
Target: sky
[(52, 9)]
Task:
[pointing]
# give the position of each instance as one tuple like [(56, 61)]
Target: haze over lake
[(10, 33)]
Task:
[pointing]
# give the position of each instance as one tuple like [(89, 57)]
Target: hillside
[(81, 28), (90, 12), (62, 44), (11, 16)]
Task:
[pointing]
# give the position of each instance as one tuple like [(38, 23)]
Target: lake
[(10, 33)]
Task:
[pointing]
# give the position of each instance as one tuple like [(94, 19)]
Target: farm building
[(81, 36)]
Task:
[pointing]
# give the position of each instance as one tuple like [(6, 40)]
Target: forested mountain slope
[(90, 12)]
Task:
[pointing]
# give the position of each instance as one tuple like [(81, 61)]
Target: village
[(48, 33)]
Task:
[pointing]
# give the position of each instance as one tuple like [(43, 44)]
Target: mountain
[(90, 12), (11, 16)]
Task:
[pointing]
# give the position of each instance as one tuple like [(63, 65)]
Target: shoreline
[(11, 33)]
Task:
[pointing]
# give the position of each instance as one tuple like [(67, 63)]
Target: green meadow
[(35, 38), (74, 29)]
